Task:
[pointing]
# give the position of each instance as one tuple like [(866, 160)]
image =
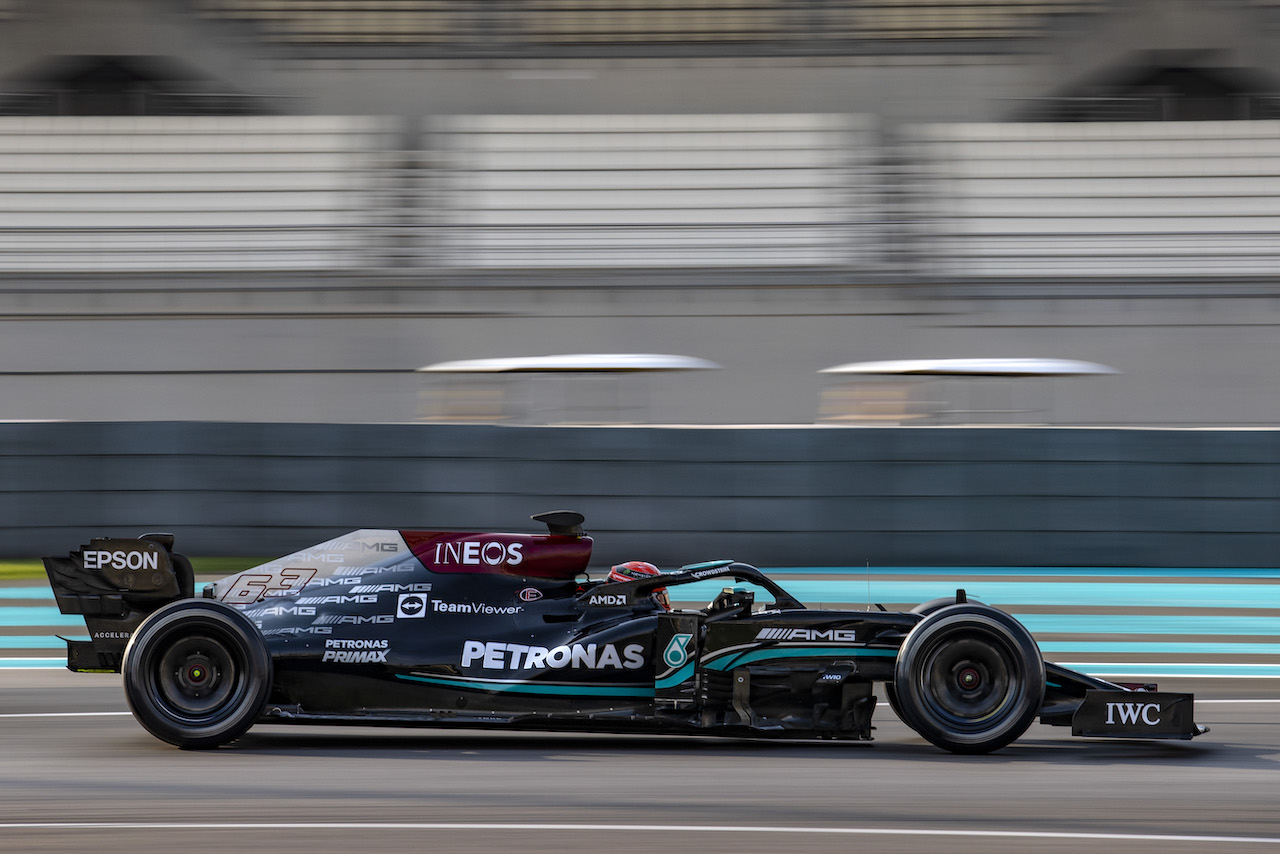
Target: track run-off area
[(78, 773)]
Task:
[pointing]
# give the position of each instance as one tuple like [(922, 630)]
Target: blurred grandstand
[(278, 209)]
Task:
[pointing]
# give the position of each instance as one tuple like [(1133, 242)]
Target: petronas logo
[(675, 654)]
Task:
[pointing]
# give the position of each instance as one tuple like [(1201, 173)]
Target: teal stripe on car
[(731, 660), (676, 678), (533, 687)]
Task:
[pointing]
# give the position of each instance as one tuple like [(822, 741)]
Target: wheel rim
[(197, 677), (969, 681)]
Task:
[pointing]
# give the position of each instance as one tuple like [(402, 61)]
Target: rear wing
[(114, 584)]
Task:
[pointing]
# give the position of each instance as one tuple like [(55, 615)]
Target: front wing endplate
[(1135, 714)]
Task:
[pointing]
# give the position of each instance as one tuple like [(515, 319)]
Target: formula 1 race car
[(425, 628)]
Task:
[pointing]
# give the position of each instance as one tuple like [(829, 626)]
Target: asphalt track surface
[(79, 774)]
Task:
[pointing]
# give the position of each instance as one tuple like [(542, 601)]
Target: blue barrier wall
[(771, 496)]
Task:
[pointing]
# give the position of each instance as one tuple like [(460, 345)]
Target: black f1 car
[(426, 628)]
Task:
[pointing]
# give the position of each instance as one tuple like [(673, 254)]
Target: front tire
[(969, 678), (197, 673), (924, 609)]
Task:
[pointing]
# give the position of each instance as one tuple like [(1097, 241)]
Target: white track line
[(1203, 702), (63, 714), (651, 828)]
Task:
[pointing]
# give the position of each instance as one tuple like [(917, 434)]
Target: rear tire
[(197, 673), (969, 678)]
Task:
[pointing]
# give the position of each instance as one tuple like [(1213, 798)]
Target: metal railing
[(555, 27)]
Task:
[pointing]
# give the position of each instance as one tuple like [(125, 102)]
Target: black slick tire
[(969, 678), (197, 673), (925, 609)]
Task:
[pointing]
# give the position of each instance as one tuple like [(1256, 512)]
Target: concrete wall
[(799, 496), (103, 350)]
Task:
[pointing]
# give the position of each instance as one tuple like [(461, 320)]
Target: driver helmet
[(634, 570)]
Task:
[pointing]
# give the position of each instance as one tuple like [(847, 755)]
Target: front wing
[(1096, 708)]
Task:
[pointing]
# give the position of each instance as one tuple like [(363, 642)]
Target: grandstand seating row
[(191, 193), (1126, 198), (536, 191), (511, 193)]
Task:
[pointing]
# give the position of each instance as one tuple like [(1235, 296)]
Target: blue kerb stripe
[(531, 687), (33, 663), (35, 642), (730, 661), (1147, 624), (1168, 647), (44, 591), (1107, 669), (37, 615)]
